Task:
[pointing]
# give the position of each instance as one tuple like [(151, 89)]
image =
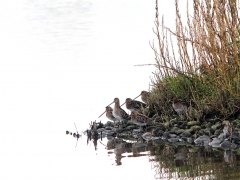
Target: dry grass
[(204, 67)]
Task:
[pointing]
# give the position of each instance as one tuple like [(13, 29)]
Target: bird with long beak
[(140, 119), (134, 105), (109, 114), (228, 130), (179, 106), (118, 112), (145, 96)]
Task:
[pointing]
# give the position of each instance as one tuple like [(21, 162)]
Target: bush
[(205, 71)]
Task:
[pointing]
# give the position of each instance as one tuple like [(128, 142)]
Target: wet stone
[(108, 128), (174, 129), (195, 128), (173, 139), (190, 140), (208, 131), (186, 134), (236, 122), (150, 128), (192, 123), (201, 132), (130, 127), (202, 140), (225, 122), (165, 135), (109, 123), (179, 131), (213, 121), (170, 135), (157, 132), (216, 126), (217, 132), (208, 125)]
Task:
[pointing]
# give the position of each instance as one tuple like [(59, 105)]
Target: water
[(62, 62)]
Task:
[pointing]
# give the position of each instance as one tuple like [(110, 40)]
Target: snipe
[(145, 96), (134, 105), (109, 114), (140, 119), (228, 130), (179, 106), (118, 112)]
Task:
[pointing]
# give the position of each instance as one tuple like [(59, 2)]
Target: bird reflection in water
[(230, 158)]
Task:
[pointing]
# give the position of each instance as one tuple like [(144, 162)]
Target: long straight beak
[(133, 99), (137, 96), (123, 104), (105, 111), (101, 114)]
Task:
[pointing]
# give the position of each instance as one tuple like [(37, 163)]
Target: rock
[(225, 122), (170, 135), (131, 127), (173, 139), (216, 126), (196, 128), (236, 122), (202, 140), (165, 135), (192, 123), (173, 130), (186, 134), (215, 142), (107, 128), (157, 132), (208, 131), (213, 121), (190, 140), (208, 125), (147, 136), (109, 123), (179, 131), (217, 132)]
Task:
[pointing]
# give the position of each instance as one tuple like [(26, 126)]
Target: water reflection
[(178, 160)]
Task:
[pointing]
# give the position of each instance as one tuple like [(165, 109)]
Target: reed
[(199, 61)]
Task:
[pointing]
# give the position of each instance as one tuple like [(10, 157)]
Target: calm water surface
[(62, 62)]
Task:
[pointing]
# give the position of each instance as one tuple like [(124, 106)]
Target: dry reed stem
[(207, 52)]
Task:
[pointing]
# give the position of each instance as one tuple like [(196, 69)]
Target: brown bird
[(109, 114), (228, 130), (134, 105), (145, 96), (118, 112), (179, 106), (140, 119)]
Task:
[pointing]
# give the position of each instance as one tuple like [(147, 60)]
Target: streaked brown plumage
[(140, 119), (109, 114), (134, 105), (118, 112), (228, 129), (179, 106), (145, 96)]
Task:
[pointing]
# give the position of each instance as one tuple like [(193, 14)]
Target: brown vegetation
[(204, 67)]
